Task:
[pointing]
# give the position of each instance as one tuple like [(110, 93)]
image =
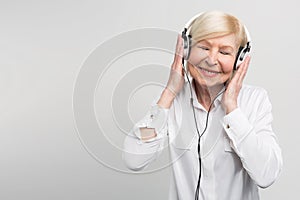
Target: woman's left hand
[(229, 100)]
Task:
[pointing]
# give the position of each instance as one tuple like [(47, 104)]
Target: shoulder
[(254, 98), (186, 89), (251, 92), (184, 95)]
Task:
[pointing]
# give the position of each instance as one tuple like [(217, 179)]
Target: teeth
[(208, 71)]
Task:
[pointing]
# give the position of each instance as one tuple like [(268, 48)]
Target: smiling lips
[(208, 73)]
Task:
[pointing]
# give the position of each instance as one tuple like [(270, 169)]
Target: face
[(211, 60)]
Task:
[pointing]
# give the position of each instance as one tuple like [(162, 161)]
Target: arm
[(255, 142), (140, 148), (146, 139)]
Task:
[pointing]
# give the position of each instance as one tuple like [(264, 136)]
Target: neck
[(205, 95)]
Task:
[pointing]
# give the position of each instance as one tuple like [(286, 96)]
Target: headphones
[(240, 57), (242, 53)]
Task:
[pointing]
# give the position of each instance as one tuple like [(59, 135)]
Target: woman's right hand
[(176, 77)]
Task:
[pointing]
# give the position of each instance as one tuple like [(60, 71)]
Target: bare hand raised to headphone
[(176, 78), (229, 99)]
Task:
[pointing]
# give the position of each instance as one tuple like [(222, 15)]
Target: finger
[(240, 71), (244, 70), (237, 74), (179, 52)]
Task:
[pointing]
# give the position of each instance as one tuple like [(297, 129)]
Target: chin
[(209, 83)]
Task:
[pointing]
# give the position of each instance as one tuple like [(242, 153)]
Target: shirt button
[(139, 142), (227, 126), (151, 116)]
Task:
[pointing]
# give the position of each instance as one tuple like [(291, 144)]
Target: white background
[(42, 47)]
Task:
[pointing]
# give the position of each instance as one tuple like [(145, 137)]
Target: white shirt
[(239, 151)]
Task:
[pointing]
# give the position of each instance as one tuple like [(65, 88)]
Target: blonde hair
[(214, 24)]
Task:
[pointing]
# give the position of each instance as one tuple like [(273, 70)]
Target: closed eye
[(225, 53), (203, 48)]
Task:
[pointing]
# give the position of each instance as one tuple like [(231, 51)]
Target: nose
[(212, 58)]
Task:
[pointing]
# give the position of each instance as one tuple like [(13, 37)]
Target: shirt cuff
[(156, 118), (237, 126)]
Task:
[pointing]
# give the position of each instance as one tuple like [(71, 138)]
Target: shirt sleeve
[(138, 154), (156, 119), (255, 142)]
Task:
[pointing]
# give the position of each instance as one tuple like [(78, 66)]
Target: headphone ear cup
[(189, 46), (186, 46), (236, 62), (241, 55)]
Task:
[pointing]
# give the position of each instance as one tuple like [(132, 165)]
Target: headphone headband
[(189, 23)]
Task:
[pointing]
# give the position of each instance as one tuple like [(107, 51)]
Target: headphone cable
[(196, 124)]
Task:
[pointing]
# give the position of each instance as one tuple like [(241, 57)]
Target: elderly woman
[(218, 130)]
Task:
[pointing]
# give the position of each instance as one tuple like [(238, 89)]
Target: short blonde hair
[(215, 24)]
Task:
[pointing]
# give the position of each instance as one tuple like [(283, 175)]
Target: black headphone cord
[(200, 135)]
